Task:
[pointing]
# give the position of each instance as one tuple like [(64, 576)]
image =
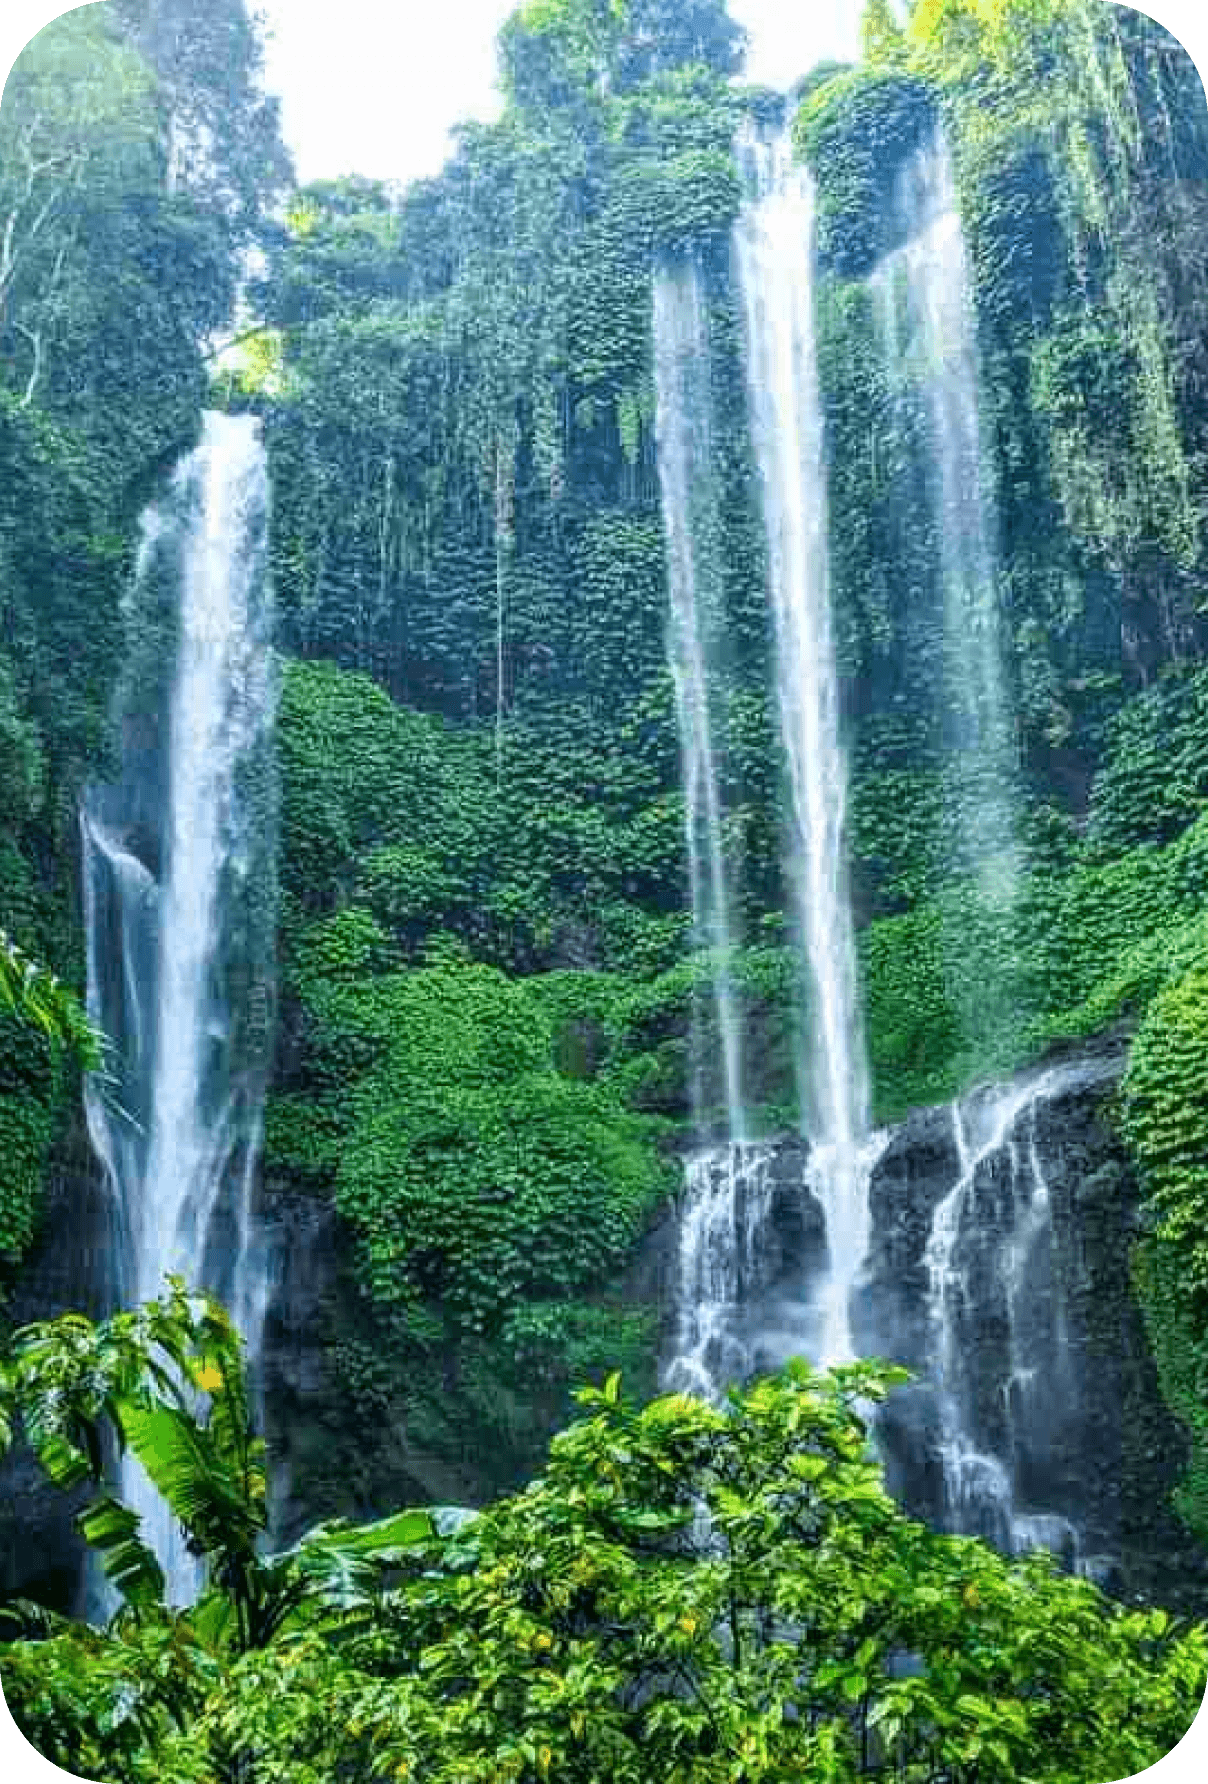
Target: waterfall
[(998, 1338), (694, 639), (178, 881), (726, 1203), (721, 1182), (774, 252), (924, 318)]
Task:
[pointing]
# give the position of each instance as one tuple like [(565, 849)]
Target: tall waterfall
[(923, 307), (178, 877), (774, 249), (694, 646), (720, 1203)]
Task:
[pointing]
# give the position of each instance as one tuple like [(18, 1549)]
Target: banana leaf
[(113, 1530)]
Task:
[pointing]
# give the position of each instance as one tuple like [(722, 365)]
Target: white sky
[(367, 89)]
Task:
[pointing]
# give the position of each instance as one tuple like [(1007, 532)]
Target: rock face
[(998, 1272), (1037, 1417), (750, 1247), (339, 1445)]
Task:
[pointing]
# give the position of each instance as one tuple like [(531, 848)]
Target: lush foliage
[(1164, 1116), (685, 1592), (41, 1026)]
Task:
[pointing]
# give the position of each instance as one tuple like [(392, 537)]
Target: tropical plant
[(168, 1383), (725, 1595), (38, 997)]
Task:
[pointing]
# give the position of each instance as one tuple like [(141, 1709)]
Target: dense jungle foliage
[(683, 1593), (487, 979)]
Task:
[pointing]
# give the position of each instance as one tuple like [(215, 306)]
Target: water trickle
[(773, 242), (999, 1340), (179, 909), (923, 312)]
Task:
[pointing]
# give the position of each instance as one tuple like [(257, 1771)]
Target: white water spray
[(178, 877), (694, 641), (774, 250), (923, 310), (727, 1200)]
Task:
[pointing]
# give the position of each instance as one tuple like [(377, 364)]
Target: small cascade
[(999, 1344), (178, 876), (727, 1201), (923, 310), (773, 242)]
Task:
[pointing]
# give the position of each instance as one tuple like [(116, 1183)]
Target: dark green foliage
[(857, 130), (478, 1175), (42, 1026), (914, 1033), (29, 1098), (363, 779), (598, 1626), (1165, 1116), (1154, 780)]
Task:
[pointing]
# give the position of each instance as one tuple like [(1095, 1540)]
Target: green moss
[(1154, 779), (30, 1086), (856, 131), (1165, 1118)]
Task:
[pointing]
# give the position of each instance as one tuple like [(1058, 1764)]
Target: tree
[(725, 1595), (658, 35), (881, 35), (221, 130), (78, 116)]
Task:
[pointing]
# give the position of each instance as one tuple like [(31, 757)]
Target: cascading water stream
[(923, 312), (774, 252), (684, 431), (178, 887), (990, 1269), (718, 1189)]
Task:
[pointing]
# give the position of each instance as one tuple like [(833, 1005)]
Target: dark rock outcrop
[(1052, 1366)]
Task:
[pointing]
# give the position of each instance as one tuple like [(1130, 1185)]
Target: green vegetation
[(486, 980), (42, 1027), (1164, 1098), (586, 1628)]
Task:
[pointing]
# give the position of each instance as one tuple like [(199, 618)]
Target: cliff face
[(1042, 1364), (41, 1554)]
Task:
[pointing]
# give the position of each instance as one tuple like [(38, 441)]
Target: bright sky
[(368, 89)]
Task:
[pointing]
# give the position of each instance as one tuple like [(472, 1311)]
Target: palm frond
[(113, 1530), (38, 997), (204, 1491)]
